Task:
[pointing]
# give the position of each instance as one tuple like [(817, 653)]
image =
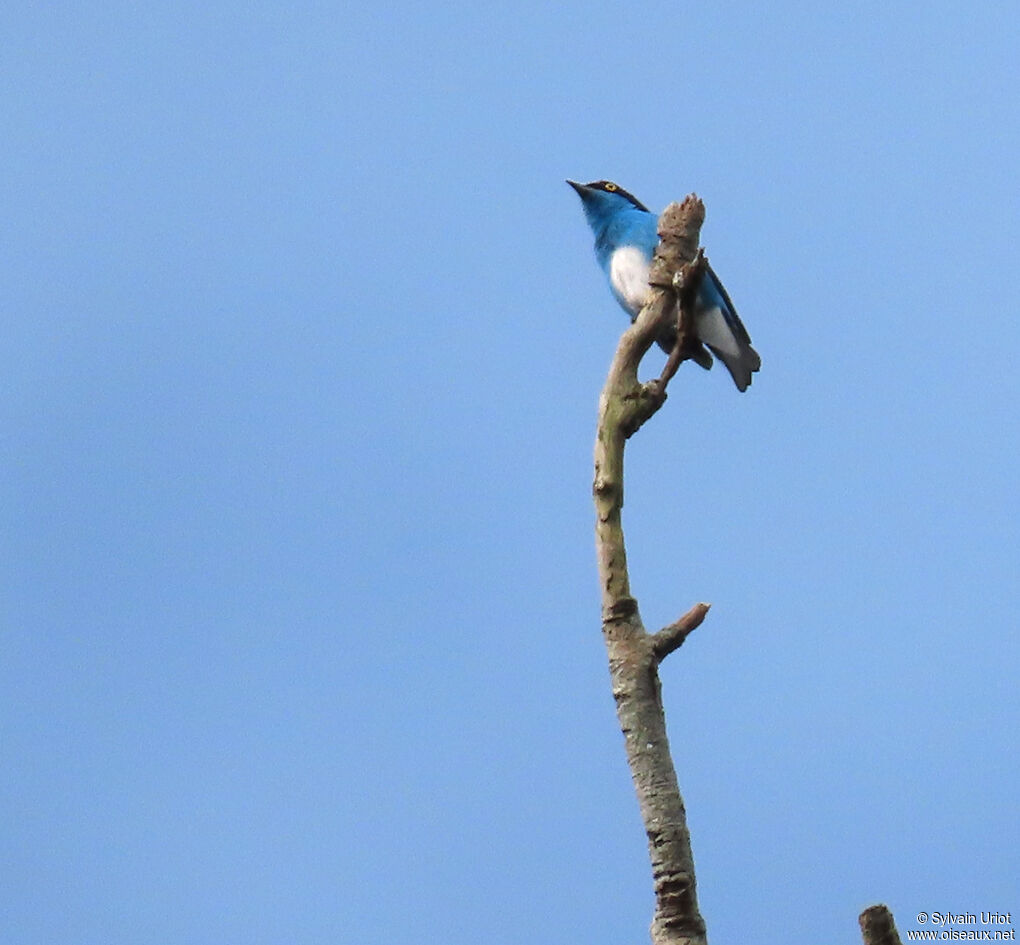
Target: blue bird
[(626, 235)]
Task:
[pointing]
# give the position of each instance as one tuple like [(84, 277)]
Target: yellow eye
[(610, 186)]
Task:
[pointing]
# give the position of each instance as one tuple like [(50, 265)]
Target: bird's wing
[(717, 324)]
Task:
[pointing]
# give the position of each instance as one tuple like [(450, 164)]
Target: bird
[(626, 234)]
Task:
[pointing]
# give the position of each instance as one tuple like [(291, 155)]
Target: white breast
[(628, 275)]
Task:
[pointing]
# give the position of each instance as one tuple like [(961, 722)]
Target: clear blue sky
[(302, 341)]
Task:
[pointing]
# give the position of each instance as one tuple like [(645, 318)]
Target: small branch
[(685, 284), (672, 637), (878, 927)]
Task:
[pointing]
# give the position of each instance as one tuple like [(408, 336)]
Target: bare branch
[(624, 406), (672, 637)]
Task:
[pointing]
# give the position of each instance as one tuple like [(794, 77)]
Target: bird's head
[(602, 199)]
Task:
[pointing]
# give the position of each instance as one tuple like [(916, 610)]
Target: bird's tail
[(718, 326)]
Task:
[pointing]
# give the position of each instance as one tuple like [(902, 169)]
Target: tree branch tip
[(672, 637), (878, 926), (697, 612), (691, 200)]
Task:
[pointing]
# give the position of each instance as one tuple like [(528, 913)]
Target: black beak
[(580, 188)]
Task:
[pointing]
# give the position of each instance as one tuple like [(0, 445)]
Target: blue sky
[(304, 335)]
